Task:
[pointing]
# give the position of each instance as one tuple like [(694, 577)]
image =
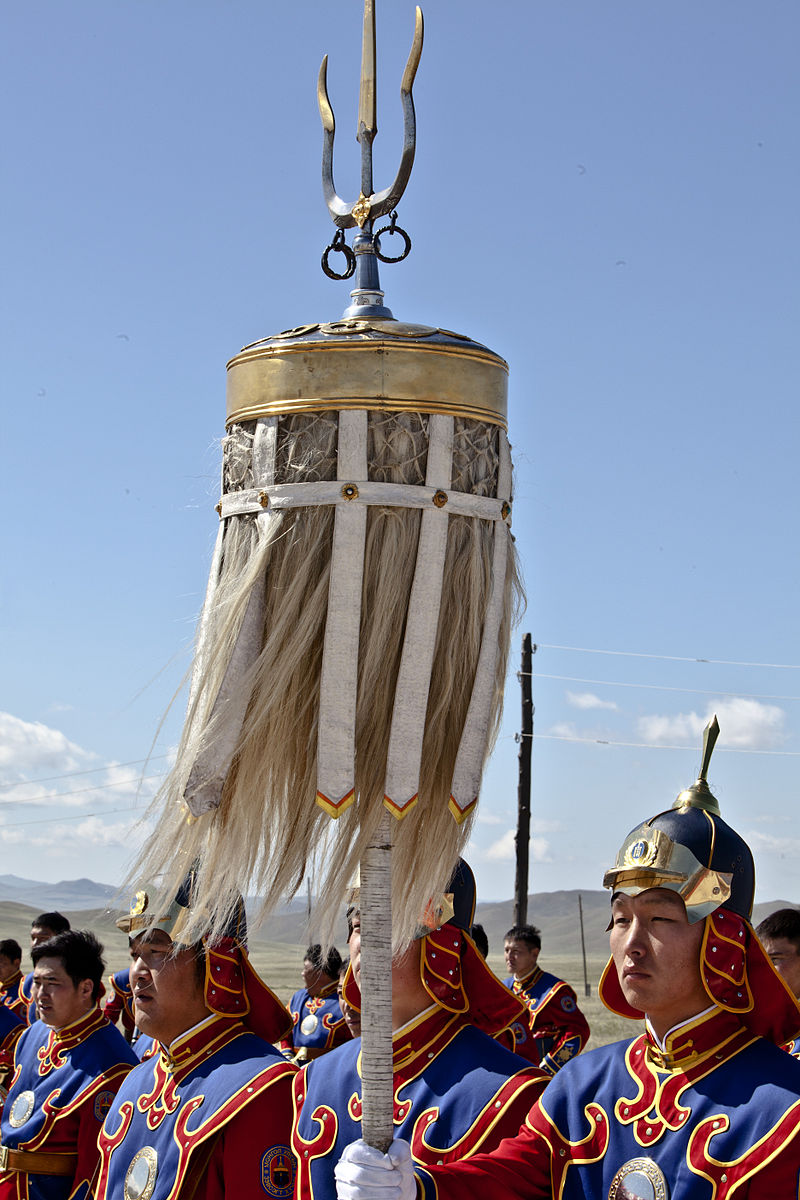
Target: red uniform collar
[(527, 980), (71, 1035), (718, 1033), (185, 1051), (421, 1039)]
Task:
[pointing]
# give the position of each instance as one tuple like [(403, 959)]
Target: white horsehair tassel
[(210, 769), (414, 676), (472, 747), (339, 678)]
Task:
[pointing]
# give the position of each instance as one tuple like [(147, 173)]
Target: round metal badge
[(21, 1109), (140, 1179), (639, 1179), (309, 1024)]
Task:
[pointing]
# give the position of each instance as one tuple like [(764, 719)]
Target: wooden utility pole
[(587, 989), (524, 785)]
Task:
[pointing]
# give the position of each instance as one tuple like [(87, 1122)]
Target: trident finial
[(362, 212)]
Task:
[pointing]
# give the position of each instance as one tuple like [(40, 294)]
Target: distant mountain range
[(71, 894), (555, 913)]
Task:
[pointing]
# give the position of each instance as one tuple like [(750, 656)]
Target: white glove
[(363, 1173)]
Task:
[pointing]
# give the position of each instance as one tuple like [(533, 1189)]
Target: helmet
[(690, 850), (231, 987), (145, 912)]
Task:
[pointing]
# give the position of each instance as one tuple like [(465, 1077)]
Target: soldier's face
[(59, 1002), (785, 959), (167, 995), (8, 968), (314, 979), (657, 956), (520, 957), (39, 934)]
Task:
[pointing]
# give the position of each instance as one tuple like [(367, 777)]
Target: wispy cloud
[(768, 844), (41, 767), (589, 700), (564, 729), (744, 724), (29, 747), (504, 850), (68, 838)]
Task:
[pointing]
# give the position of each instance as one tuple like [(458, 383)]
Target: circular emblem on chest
[(639, 1179), (21, 1109), (309, 1024), (140, 1179)]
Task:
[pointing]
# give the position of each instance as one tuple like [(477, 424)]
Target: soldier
[(317, 1021), (703, 1104), (43, 927), (457, 1090), (556, 1029), (11, 976), (209, 1114), (68, 1065), (780, 937)]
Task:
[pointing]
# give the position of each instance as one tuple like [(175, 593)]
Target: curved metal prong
[(338, 208), (384, 201)]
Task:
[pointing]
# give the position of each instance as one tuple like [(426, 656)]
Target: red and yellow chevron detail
[(400, 810), (460, 814), (335, 808)]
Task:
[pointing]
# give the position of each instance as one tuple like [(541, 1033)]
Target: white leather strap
[(339, 678)]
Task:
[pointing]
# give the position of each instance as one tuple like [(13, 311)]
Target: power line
[(662, 687), (89, 771), (58, 820), (563, 737), (717, 662), (98, 787)]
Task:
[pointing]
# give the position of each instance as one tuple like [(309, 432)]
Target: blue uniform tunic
[(210, 1114), (715, 1114), (457, 1091), (557, 1030), (318, 1024), (63, 1084)]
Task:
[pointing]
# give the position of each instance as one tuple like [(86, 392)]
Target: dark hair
[(55, 921), (478, 935), (81, 954), (525, 933), (329, 965), (11, 949), (783, 923)]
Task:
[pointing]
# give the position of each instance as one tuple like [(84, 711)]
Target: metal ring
[(340, 245), (393, 228)]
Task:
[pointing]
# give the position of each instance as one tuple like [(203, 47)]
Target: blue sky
[(605, 193)]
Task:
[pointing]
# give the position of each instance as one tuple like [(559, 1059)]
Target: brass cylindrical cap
[(367, 363)]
